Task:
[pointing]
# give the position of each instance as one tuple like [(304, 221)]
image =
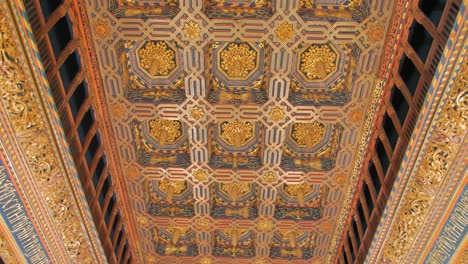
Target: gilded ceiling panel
[(238, 120)]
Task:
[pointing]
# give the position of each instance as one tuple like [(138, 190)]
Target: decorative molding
[(431, 158), (31, 114), (420, 195)]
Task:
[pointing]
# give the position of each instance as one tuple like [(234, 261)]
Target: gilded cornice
[(33, 126), (433, 163)]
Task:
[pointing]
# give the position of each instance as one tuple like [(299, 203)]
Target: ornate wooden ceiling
[(200, 137), (238, 124)]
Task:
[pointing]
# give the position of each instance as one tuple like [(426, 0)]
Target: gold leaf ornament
[(157, 58), (238, 60), (165, 131), (237, 133), (318, 61), (308, 134)]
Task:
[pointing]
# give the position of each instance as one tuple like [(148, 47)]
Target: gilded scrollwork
[(442, 148), (42, 163), (13, 89)]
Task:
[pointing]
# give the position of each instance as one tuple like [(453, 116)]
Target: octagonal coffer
[(152, 71), (237, 72), (311, 146), (175, 241), (172, 198), (323, 74), (234, 200), (236, 144), (300, 201), (161, 142), (342, 10)]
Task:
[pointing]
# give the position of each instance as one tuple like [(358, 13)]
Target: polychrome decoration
[(239, 120)]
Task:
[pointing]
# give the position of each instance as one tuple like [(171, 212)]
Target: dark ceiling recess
[(54, 23), (424, 37)]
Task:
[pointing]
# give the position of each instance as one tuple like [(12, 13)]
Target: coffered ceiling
[(239, 125)]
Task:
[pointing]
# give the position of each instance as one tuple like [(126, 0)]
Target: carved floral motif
[(318, 61), (200, 175), (157, 58), (101, 28), (265, 225), (307, 134), (235, 189), (285, 32), (237, 133), (165, 131), (277, 114), (192, 30), (238, 60), (270, 177), (375, 32), (196, 112)]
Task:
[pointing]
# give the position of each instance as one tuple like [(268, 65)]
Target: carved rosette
[(285, 32), (192, 30)]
